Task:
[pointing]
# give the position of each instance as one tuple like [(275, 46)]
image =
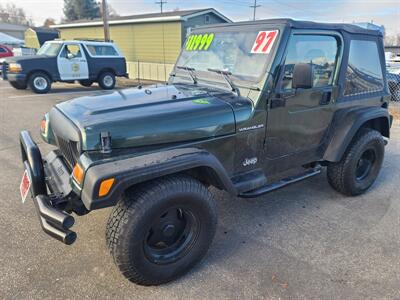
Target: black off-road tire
[(347, 176), (18, 85), (129, 224), (106, 80), (86, 82), (39, 77)]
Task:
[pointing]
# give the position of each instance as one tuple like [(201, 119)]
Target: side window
[(71, 51), (102, 50), (320, 51), (2, 50), (364, 70)]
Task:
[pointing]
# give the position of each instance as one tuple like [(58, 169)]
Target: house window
[(207, 19)]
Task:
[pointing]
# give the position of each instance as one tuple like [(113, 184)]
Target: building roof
[(9, 40), (12, 27), (296, 24), (179, 15)]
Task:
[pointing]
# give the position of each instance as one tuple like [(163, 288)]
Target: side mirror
[(302, 76), (70, 56)]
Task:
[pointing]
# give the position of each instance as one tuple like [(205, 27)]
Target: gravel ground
[(304, 241)]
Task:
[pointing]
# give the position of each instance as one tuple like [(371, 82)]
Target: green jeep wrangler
[(249, 108)]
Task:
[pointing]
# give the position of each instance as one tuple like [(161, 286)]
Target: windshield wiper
[(226, 75), (190, 72)]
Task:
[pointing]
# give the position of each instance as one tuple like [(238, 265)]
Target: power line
[(254, 6), (161, 2)]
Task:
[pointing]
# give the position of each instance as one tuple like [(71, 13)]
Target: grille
[(69, 150), (4, 70)]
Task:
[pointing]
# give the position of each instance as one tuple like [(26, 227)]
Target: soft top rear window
[(364, 69)]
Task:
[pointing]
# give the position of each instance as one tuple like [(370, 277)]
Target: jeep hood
[(149, 116)]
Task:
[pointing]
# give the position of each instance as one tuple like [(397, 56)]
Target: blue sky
[(386, 12)]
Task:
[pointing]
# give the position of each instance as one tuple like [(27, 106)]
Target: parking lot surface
[(304, 241)]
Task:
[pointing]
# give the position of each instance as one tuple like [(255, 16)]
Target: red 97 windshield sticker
[(264, 42)]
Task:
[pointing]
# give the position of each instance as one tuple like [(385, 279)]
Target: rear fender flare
[(131, 171), (346, 124)]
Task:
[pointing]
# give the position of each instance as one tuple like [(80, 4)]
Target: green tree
[(81, 9)]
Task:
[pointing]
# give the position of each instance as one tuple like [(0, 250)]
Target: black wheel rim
[(365, 164), (171, 236)]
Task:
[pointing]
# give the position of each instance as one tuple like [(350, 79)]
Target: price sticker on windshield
[(199, 42), (264, 42)]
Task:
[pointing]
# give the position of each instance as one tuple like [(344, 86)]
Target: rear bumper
[(53, 220)]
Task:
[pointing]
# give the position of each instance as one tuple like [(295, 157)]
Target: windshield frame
[(210, 78)]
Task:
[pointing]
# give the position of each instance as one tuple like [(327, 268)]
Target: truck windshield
[(243, 54), (50, 49)]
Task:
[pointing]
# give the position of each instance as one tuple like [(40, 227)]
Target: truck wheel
[(161, 229), (360, 165), (40, 83), (18, 85), (86, 83), (107, 80)]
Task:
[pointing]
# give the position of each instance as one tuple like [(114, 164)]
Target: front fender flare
[(130, 171), (347, 122)]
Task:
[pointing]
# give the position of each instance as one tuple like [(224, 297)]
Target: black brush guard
[(54, 221)]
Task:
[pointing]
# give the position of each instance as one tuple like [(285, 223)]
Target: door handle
[(326, 98), (277, 102)]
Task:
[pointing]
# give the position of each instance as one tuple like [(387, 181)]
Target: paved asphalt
[(304, 241)]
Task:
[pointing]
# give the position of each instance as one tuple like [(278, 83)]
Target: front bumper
[(4, 70), (48, 175), (15, 77)]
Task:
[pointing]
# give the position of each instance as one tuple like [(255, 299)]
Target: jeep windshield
[(50, 49), (242, 54)]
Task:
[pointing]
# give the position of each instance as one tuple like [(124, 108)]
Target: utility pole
[(161, 2), (105, 21), (254, 7)]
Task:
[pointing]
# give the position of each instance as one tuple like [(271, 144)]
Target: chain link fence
[(394, 86)]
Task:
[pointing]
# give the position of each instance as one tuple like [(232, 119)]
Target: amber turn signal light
[(43, 124), (105, 186), (77, 173)]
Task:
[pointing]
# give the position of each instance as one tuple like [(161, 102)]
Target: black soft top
[(296, 24)]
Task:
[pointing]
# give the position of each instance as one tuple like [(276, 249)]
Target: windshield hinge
[(105, 139)]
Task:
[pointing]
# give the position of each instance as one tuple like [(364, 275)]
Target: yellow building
[(151, 43)]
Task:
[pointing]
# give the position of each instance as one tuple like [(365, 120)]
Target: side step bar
[(280, 184)]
